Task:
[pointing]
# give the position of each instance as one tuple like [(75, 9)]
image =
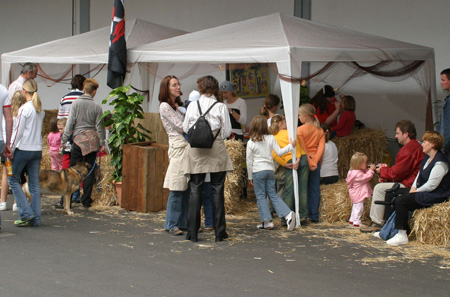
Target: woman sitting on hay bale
[(431, 186)]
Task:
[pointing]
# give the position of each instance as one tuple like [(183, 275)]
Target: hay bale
[(234, 180), (335, 203), (49, 115), (371, 142), (432, 225)]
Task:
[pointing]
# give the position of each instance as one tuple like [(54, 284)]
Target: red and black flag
[(117, 59)]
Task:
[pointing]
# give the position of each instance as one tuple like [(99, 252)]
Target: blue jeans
[(264, 185), (177, 210), (32, 161), (288, 196), (314, 194), (207, 205)]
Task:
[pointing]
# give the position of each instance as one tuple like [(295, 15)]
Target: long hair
[(208, 85), (16, 102), (349, 103), (310, 111), (30, 86), (356, 160), (326, 129), (164, 92), (270, 101), (275, 123), (319, 100), (258, 128)]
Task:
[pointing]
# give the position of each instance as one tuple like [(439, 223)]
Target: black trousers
[(88, 183), (218, 203), (404, 204), (388, 210)]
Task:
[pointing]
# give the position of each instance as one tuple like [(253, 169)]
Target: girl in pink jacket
[(358, 179)]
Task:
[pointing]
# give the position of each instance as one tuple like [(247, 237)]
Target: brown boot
[(373, 227)]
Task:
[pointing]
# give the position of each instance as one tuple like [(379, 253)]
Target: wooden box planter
[(143, 172)]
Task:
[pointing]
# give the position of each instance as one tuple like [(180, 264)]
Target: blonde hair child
[(358, 183), (312, 141), (260, 173)]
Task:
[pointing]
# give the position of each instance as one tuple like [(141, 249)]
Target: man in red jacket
[(404, 171)]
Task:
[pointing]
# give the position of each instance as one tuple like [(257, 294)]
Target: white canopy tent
[(287, 41), (57, 57)]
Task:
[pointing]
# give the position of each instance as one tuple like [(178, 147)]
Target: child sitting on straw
[(358, 179), (260, 173)]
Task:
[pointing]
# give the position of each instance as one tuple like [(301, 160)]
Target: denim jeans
[(314, 194), (264, 185), (207, 205), (31, 160), (177, 210), (288, 196)]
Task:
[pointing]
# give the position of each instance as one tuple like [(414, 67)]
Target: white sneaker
[(265, 225), (290, 221), (15, 208), (377, 234), (3, 206), (398, 240)]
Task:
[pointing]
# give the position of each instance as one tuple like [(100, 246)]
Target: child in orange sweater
[(312, 141)]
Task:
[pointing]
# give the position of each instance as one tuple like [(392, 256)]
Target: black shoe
[(76, 201), (58, 205), (192, 238), (221, 237)]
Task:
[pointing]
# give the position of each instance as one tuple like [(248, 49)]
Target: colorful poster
[(250, 80)]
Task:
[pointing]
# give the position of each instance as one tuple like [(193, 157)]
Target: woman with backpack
[(214, 160), (176, 181)]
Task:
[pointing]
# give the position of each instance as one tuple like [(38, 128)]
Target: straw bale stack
[(432, 225), (371, 142), (49, 115), (234, 180), (335, 203)]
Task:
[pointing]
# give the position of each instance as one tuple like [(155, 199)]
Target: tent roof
[(90, 47), (275, 38)]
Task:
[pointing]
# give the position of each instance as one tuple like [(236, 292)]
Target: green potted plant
[(126, 109)]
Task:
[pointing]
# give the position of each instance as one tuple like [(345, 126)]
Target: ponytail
[(36, 101), (264, 112), (30, 86)]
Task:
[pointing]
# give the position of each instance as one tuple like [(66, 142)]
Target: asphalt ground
[(113, 252)]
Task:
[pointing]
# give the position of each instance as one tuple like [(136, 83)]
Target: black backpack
[(200, 134)]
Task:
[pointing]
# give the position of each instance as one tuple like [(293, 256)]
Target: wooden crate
[(144, 168)]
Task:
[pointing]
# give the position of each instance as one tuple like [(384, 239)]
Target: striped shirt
[(66, 103)]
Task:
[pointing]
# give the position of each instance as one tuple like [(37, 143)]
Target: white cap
[(194, 95)]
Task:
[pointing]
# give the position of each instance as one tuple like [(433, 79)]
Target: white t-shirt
[(259, 154), (240, 105), (5, 101), (329, 160)]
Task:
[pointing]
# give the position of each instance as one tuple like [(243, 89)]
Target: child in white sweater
[(260, 173)]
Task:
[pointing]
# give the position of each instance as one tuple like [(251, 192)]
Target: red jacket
[(407, 164), (345, 124)]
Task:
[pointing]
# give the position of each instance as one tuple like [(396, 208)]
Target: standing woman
[(176, 181), (214, 160), (237, 108), (26, 143)]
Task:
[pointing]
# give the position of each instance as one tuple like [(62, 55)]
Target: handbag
[(388, 231)]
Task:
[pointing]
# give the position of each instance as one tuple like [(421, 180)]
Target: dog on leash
[(62, 182)]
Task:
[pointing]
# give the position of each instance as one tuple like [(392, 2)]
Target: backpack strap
[(200, 110), (209, 108)]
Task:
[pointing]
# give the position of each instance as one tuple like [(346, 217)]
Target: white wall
[(413, 21)]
